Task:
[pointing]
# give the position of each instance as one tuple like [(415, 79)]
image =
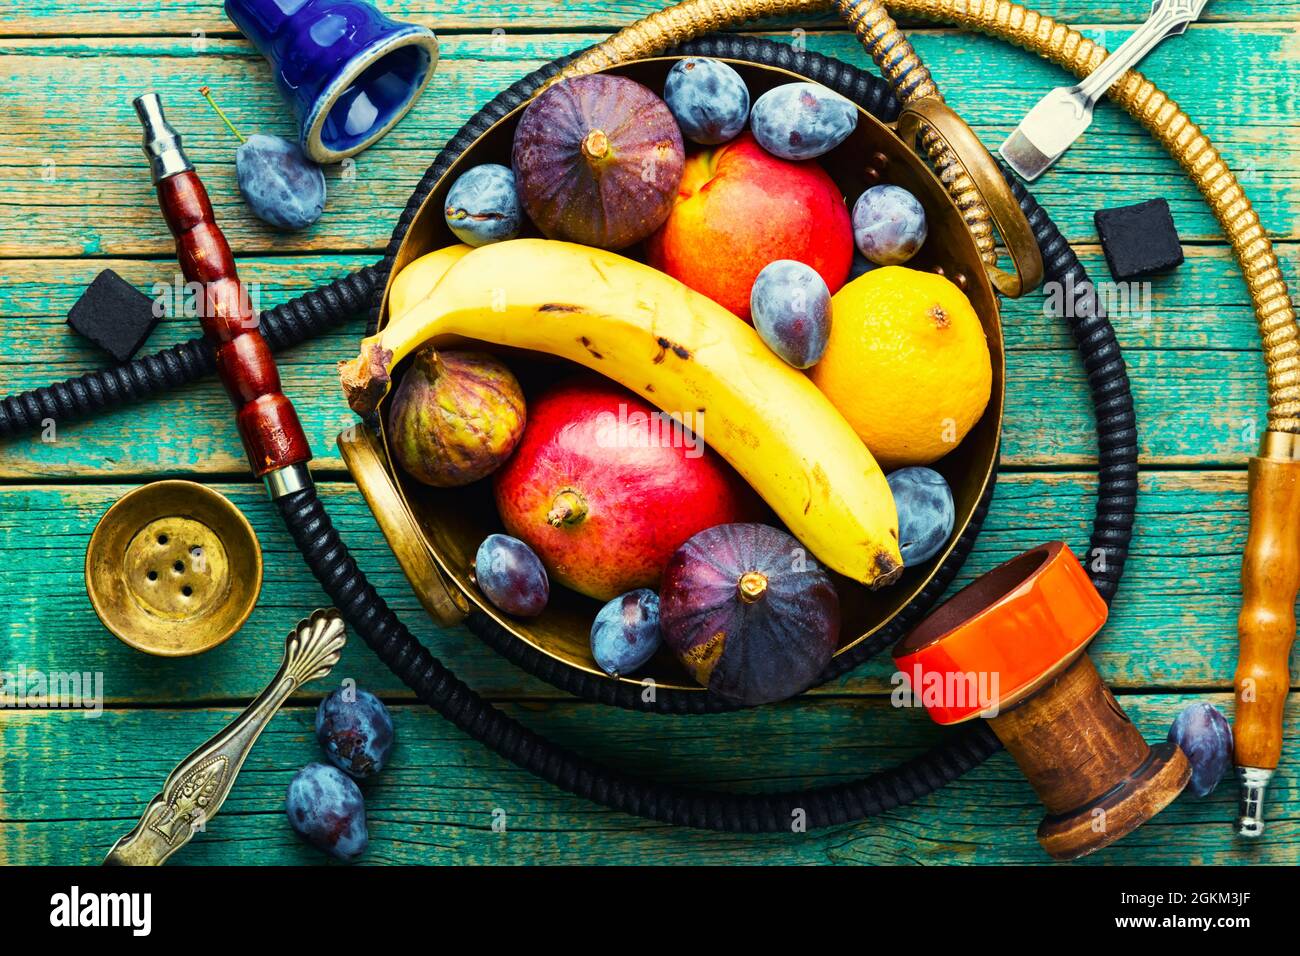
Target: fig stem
[(207, 95), (595, 145), (752, 586), (431, 359), (569, 507)]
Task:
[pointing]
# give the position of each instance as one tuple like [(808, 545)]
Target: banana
[(418, 278), (682, 352)]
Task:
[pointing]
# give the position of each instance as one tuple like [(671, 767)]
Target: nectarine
[(739, 208)]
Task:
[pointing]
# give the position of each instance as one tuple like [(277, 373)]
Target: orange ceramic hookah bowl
[(1010, 648)]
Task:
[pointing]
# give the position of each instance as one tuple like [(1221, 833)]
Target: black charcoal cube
[(114, 314), (1139, 240)]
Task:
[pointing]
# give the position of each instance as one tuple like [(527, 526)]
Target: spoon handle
[(1168, 18)]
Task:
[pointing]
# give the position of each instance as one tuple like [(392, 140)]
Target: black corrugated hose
[(434, 684), (368, 614), (84, 396)]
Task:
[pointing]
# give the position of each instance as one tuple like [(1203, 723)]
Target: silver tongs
[(1061, 117)]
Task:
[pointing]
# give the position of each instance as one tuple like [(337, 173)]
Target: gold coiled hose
[(1060, 44)]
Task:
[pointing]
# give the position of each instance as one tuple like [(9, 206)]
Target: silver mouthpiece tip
[(1254, 781), (162, 144)]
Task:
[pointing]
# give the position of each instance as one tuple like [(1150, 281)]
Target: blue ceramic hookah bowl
[(349, 72)]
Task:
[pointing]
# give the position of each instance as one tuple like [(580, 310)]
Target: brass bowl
[(173, 568), (436, 534)]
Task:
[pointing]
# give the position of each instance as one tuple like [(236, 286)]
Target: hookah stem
[(268, 424)]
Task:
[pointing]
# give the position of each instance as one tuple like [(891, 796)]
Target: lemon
[(907, 364)]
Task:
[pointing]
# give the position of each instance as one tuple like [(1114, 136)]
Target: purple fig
[(598, 160), (749, 613), (455, 417)]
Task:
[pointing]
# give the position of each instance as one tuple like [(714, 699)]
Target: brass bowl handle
[(935, 115), (365, 460)]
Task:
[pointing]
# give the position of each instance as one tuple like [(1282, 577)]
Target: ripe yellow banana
[(679, 350), (417, 280)]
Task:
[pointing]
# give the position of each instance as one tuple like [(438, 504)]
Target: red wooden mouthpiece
[(272, 435)]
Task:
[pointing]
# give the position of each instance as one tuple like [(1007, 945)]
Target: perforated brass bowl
[(438, 532), (173, 568)]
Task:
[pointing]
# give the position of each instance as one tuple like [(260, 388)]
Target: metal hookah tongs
[(195, 790)]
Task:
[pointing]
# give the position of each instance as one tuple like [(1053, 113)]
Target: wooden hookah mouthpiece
[(1270, 578), (1020, 633), (273, 437)]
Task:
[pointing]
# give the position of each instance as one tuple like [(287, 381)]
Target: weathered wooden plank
[(1172, 626), (1195, 407), (79, 784), (171, 17), (72, 146), (1189, 338), (1173, 623), (1203, 305)]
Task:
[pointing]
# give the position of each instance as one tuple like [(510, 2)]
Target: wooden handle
[(272, 435), (1270, 578)]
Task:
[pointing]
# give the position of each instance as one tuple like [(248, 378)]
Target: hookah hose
[(278, 453), (1268, 599), (147, 376), (997, 18), (368, 614)]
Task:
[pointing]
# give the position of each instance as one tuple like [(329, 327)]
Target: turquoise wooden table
[(75, 198)]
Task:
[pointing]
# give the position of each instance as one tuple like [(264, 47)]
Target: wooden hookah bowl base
[(1135, 800)]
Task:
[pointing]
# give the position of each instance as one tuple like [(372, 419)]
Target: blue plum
[(483, 205), (888, 225), (791, 308), (802, 120), (280, 184), (355, 731), (325, 807), (1204, 735), (861, 266), (625, 633), (708, 99), (511, 576), (926, 512)]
